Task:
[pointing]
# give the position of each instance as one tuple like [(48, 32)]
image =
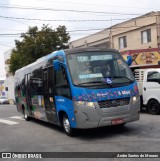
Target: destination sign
[(94, 58)]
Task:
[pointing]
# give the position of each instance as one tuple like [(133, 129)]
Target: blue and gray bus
[(78, 88)]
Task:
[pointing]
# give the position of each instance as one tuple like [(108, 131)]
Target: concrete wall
[(100, 38), (132, 30), (134, 39), (9, 81)]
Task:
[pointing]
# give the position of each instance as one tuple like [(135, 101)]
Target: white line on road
[(8, 122), (17, 117)]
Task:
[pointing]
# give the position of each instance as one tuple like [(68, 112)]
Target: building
[(139, 37), (9, 81), (2, 88), (138, 33)]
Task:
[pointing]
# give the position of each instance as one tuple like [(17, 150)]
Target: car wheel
[(66, 126), (153, 107), (26, 117)]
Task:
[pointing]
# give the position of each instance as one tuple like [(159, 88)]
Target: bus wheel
[(66, 126), (26, 117), (153, 107)]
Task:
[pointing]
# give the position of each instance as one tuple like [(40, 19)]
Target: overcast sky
[(13, 13)]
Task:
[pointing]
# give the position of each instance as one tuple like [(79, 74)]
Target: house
[(139, 37), (138, 33)]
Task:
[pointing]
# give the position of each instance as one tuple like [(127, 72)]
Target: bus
[(78, 89)]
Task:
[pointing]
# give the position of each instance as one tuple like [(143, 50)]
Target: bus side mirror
[(129, 60), (56, 65)]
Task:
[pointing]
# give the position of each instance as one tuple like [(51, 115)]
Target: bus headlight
[(83, 103), (134, 98)]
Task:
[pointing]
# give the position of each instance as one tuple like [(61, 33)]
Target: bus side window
[(45, 82), (36, 84), (50, 81), (23, 89), (61, 78), (61, 82)]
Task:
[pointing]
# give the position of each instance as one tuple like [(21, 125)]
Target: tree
[(36, 44)]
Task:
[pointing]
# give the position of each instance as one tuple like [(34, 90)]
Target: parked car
[(4, 100)]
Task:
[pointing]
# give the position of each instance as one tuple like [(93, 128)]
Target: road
[(18, 135)]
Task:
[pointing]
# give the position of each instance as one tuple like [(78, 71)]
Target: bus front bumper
[(87, 117), (85, 124)]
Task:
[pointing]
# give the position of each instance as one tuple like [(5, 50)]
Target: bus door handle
[(144, 88)]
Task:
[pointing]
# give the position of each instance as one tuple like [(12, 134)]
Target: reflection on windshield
[(92, 68), (95, 82)]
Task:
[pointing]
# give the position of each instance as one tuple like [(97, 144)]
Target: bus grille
[(114, 102)]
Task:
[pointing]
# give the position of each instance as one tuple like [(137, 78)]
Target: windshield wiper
[(122, 77), (101, 83)]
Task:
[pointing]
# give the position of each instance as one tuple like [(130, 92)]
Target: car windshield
[(99, 68)]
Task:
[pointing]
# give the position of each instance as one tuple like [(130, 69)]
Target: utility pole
[(110, 36)]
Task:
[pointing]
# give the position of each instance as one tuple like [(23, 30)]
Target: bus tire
[(26, 117), (153, 107), (66, 126)]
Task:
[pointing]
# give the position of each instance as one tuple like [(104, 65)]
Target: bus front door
[(49, 96)]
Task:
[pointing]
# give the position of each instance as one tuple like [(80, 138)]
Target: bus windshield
[(99, 68)]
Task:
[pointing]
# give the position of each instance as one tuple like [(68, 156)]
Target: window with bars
[(122, 42), (146, 36)]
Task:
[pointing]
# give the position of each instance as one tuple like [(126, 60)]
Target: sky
[(81, 17)]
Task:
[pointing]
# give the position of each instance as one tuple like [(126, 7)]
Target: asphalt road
[(18, 135)]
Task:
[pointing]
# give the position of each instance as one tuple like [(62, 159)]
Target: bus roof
[(79, 50)]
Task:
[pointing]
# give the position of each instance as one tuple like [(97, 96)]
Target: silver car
[(4, 100)]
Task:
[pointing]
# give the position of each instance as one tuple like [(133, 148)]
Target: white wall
[(9, 82)]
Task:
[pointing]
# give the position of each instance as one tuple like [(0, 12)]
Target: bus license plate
[(117, 121)]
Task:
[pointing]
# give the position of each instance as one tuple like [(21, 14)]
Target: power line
[(10, 35), (101, 29), (17, 21), (67, 10), (92, 4), (34, 19), (5, 45), (9, 29), (89, 20)]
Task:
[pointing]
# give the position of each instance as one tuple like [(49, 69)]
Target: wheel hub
[(66, 124)]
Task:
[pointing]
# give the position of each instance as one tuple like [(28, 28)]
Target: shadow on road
[(105, 132), (101, 132), (47, 125)]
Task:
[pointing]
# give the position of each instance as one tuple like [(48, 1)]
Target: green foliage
[(15, 62), (36, 44)]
